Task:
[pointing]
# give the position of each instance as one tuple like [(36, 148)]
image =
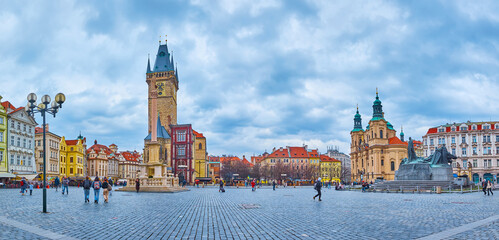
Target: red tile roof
[(97, 148), (7, 105), (198, 135), (396, 140), (432, 130), (281, 152), (130, 156), (326, 158), (71, 142), (313, 153), (298, 152), (257, 159)]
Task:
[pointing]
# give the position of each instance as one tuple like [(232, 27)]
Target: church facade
[(169, 146), (376, 152)]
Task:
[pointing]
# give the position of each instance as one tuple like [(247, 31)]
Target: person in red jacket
[(253, 185)]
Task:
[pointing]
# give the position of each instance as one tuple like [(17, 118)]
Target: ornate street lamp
[(43, 108)]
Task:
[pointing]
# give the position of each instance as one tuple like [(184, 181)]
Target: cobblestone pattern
[(488, 231), (290, 213)]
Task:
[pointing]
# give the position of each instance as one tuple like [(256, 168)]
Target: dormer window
[(162, 54), (453, 129), (474, 127), (465, 128), (442, 129)]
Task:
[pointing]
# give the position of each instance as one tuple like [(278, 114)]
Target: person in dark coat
[(87, 184), (221, 186), (137, 184), (56, 183), (273, 185), (318, 186), (484, 187)]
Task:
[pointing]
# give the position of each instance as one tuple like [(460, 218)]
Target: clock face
[(161, 89)]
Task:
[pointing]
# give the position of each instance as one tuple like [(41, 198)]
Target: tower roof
[(163, 61), (161, 131)]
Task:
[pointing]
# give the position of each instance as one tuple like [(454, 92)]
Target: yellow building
[(315, 162), (330, 169), (199, 155), (376, 152), (4, 170), (72, 157)]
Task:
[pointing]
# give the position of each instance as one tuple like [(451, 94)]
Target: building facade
[(97, 160), (182, 152), (200, 155), (21, 141), (214, 168), (346, 164), (72, 157), (376, 152), (52, 142), (330, 170), (129, 164), (475, 144)]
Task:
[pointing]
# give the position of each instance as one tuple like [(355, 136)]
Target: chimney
[(46, 127)]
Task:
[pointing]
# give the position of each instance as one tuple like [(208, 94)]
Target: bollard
[(461, 189)]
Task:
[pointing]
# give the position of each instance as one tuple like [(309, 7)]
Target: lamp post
[(43, 108)]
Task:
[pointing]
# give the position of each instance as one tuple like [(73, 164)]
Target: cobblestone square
[(239, 213)]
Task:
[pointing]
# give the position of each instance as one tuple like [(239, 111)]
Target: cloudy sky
[(255, 74)]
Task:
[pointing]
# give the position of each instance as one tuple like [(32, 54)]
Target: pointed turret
[(357, 121), (377, 108), (148, 64)]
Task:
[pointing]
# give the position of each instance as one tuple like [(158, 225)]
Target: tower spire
[(148, 64), (377, 107), (357, 121), (402, 133)]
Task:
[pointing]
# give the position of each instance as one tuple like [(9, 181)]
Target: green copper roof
[(357, 130), (389, 125), (377, 118)]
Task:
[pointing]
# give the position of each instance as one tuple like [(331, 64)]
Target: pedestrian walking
[(137, 184), (105, 187), (484, 187), (56, 183), (221, 189), (24, 184), (317, 187), (96, 185), (489, 188), (65, 185), (86, 188), (31, 188), (273, 185), (253, 183)]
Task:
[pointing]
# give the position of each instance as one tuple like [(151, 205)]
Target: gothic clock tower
[(162, 81)]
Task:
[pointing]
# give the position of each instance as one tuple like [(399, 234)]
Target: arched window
[(380, 133), (200, 146), (392, 166)]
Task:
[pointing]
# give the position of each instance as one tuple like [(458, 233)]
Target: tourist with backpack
[(56, 183), (317, 187), (221, 189), (105, 187), (65, 185), (31, 188), (96, 185), (86, 188)]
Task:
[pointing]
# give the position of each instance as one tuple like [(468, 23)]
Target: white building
[(346, 164), (21, 142), (476, 143)]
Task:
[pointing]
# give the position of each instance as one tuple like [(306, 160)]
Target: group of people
[(25, 185), (97, 185), (487, 186)]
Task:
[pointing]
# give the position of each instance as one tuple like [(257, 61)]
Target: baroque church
[(170, 148), (376, 152)]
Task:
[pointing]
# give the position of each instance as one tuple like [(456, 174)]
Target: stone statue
[(440, 157), (411, 154)]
